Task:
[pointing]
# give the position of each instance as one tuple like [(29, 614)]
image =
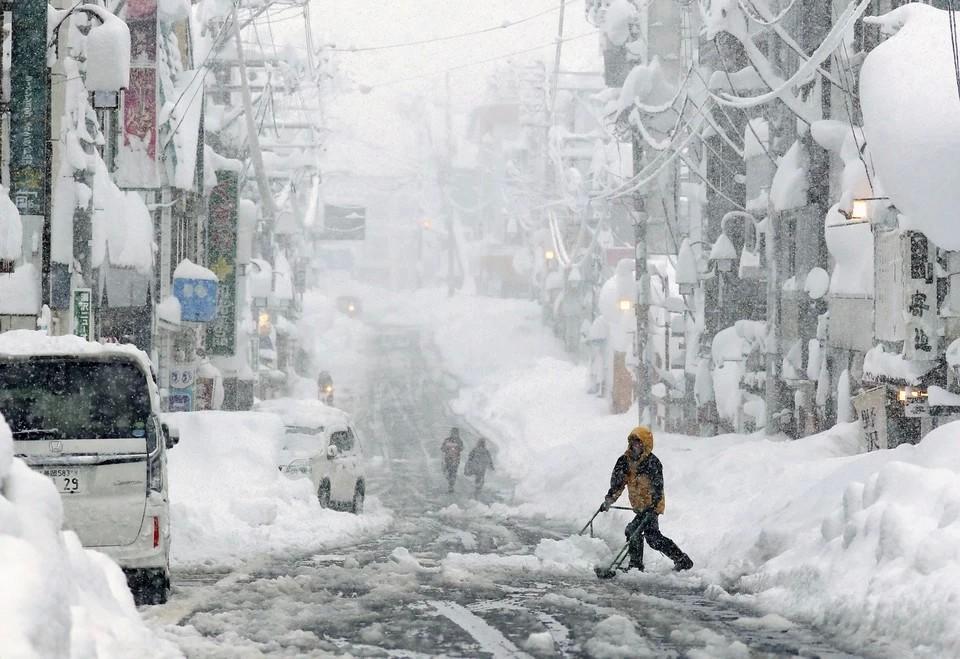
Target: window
[(343, 440), (63, 398)]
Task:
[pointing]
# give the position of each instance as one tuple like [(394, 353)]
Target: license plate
[(67, 480)]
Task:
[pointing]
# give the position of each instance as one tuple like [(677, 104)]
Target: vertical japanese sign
[(137, 156), (83, 312), (871, 407), (222, 259), (29, 107), (921, 292)]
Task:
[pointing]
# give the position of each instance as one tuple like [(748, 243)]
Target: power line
[(477, 62), (450, 37)]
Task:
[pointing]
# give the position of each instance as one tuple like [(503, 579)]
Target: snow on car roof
[(22, 343), (303, 412)]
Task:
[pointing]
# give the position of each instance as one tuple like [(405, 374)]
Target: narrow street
[(396, 595)]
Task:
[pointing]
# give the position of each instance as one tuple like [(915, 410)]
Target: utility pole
[(642, 279), (445, 191), (253, 137)]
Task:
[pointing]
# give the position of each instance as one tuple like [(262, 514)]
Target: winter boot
[(682, 563), (635, 565)]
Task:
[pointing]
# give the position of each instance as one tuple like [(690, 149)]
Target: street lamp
[(625, 305), (723, 253), (549, 255)]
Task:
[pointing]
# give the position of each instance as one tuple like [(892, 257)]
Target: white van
[(320, 441), (86, 415)]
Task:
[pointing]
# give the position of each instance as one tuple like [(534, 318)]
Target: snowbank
[(229, 502), (58, 599), (866, 546)]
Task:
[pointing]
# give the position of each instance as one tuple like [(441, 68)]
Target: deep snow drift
[(864, 545), (56, 598), (230, 503)]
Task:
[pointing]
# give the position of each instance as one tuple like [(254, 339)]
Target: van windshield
[(43, 398)]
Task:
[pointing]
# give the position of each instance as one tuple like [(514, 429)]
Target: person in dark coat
[(640, 472), (478, 462), (451, 448)]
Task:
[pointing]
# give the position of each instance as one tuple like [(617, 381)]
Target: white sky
[(369, 132)]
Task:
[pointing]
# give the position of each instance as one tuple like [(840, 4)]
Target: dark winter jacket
[(642, 477), (478, 461), (451, 448)]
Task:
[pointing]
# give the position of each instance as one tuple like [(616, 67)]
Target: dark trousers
[(450, 467), (649, 530)]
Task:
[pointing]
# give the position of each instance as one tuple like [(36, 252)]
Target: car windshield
[(73, 399)]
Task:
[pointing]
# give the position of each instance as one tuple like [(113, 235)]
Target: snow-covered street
[(453, 575)]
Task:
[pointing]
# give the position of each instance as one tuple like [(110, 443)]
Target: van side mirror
[(332, 452), (171, 435)]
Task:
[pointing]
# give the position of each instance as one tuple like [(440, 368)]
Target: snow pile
[(58, 599), (616, 637), (617, 20), (229, 502), (187, 269), (574, 554), (11, 228), (851, 246), (789, 187), (911, 115), (108, 55), (20, 292), (882, 366)]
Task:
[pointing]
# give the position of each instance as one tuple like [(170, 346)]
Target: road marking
[(489, 638)]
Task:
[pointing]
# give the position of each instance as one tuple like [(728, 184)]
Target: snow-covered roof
[(882, 366)]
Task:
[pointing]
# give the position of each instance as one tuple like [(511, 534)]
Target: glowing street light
[(625, 305), (549, 255)]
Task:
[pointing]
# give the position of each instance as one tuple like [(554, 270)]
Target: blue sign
[(198, 299)]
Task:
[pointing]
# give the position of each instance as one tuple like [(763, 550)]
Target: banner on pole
[(29, 107), (137, 155), (221, 336)]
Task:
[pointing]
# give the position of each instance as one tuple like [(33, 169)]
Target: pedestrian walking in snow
[(451, 449), (640, 471), (478, 462)]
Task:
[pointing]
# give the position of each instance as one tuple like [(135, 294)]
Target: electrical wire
[(450, 37), (477, 62), (952, 18)]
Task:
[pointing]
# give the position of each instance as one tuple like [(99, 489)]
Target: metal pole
[(445, 190), (253, 137), (642, 306)]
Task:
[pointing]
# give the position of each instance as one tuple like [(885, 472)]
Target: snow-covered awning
[(882, 366)]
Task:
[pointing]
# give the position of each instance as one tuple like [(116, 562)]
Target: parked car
[(87, 416), (321, 442)]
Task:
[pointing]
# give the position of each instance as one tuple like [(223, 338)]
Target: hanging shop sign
[(82, 312), (137, 155), (29, 107), (921, 339), (221, 336), (871, 408)]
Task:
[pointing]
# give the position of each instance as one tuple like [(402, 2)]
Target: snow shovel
[(610, 571), (589, 525)]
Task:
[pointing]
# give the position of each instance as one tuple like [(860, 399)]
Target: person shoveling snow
[(640, 471)]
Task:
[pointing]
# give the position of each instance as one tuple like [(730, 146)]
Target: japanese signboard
[(138, 150), (29, 108), (82, 312), (343, 223), (871, 407), (921, 301), (181, 393), (222, 259)]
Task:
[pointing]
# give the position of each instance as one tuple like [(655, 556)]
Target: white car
[(320, 441), (87, 416)]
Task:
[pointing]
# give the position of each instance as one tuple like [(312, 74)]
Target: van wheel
[(323, 494), (149, 586), (357, 506)]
